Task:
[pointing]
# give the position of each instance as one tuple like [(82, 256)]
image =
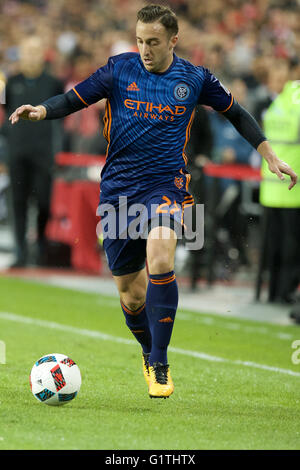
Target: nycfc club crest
[(181, 91)]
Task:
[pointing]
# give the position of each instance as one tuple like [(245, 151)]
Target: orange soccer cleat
[(161, 384)]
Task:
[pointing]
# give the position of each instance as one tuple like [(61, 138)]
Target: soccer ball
[(55, 379)]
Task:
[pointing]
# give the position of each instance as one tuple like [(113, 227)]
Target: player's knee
[(133, 296), (133, 303)]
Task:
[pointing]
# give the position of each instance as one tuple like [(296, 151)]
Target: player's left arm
[(248, 127), (214, 94)]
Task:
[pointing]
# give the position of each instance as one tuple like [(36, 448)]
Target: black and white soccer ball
[(55, 379)]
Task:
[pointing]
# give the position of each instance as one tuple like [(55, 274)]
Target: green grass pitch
[(235, 384)]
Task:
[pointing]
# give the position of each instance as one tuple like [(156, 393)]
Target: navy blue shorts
[(126, 227)]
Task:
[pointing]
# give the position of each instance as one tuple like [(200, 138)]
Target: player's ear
[(173, 41)]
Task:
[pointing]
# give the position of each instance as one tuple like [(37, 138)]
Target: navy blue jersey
[(148, 119)]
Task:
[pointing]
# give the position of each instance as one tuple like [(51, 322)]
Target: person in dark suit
[(31, 150)]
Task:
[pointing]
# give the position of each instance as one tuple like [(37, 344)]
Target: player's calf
[(137, 322), (161, 306)]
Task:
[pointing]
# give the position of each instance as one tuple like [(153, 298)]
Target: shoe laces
[(161, 372), (146, 357)]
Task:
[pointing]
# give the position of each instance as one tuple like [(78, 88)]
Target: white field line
[(229, 325), (106, 337)]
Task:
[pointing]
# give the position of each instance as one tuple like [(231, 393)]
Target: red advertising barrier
[(79, 159), (235, 172), (73, 212)]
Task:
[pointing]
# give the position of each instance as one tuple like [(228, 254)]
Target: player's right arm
[(91, 90), (55, 107)]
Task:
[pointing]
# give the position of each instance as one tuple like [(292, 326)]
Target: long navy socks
[(137, 322), (161, 306)]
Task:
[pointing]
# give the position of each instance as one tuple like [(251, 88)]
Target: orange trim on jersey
[(130, 312), (107, 124), (81, 99), (187, 178), (187, 136), (228, 106), (188, 201), (105, 121)]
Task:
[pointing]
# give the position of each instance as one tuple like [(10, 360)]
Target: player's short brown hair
[(163, 14)]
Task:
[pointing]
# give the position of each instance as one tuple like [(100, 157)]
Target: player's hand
[(276, 165), (28, 113), (279, 167)]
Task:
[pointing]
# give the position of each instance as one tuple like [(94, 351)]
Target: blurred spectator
[(30, 147), (215, 62), (277, 75), (229, 147), (4, 184), (281, 124), (198, 151)]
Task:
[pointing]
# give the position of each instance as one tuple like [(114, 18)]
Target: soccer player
[(151, 96)]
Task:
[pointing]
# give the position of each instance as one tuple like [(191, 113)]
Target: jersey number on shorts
[(167, 207)]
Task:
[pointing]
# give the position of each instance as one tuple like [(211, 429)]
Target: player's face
[(155, 46)]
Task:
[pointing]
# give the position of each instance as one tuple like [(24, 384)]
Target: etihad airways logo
[(148, 110)]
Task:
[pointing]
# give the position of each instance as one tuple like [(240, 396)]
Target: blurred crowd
[(240, 41), (252, 46), (234, 38)]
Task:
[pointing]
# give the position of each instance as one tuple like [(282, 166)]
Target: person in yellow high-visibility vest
[(281, 123)]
